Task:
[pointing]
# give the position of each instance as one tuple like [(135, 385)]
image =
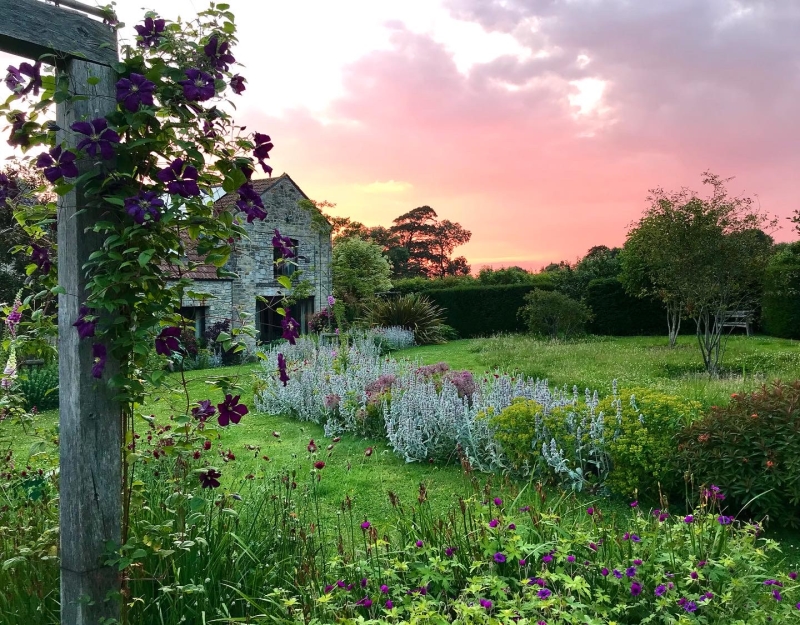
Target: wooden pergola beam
[(30, 28)]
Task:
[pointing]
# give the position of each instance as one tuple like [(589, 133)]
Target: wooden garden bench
[(738, 319)]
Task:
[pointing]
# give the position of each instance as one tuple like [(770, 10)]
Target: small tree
[(554, 314), (359, 271)]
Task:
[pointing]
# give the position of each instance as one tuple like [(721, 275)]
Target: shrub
[(229, 356), (751, 447), (189, 341), (485, 310), (780, 312), (618, 314), (412, 312), (322, 321), (554, 314), (39, 386)]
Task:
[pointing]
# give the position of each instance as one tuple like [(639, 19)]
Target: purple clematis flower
[(198, 86), (57, 164), (150, 32), (291, 328), (218, 53), (231, 410), (284, 378), (167, 341), (41, 258), (143, 206), (284, 244), (250, 203), (19, 135), (134, 91), (85, 327), (237, 84), (180, 178), (204, 410), (209, 478), (14, 78), (261, 151), (99, 137), (100, 355)]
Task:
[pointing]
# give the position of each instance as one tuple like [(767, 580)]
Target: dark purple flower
[(707, 597), (167, 341), (57, 164), (218, 53), (19, 135), (328, 588), (366, 602), (547, 558), (511, 526), (525, 509), (261, 151), (85, 327), (419, 544), (688, 519), (14, 78), (694, 575), (630, 571), (634, 504), (544, 593), (250, 203), (230, 410), (636, 589), (690, 606), (523, 562), (617, 573), (365, 525), (203, 410), (99, 137), (237, 84), (604, 572), (590, 511), (494, 523), (486, 604), (100, 356), (593, 546), (449, 551), (570, 558), (384, 589), (41, 258), (291, 328), (725, 520), (134, 91), (793, 575), (660, 590), (180, 178), (537, 581), (637, 562), (150, 32), (364, 582), (284, 244), (198, 86), (635, 538), (389, 605), (499, 557), (210, 478), (773, 582), (143, 206), (284, 378)]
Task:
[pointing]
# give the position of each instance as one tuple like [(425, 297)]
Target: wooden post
[(90, 438)]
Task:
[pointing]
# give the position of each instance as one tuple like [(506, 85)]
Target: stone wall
[(219, 304)]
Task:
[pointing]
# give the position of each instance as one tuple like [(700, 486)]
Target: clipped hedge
[(483, 310), (780, 306), (618, 314)]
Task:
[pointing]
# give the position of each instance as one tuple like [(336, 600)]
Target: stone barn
[(255, 292)]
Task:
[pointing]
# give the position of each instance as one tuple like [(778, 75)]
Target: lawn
[(633, 361)]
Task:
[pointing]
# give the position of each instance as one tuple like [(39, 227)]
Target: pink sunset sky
[(539, 125)]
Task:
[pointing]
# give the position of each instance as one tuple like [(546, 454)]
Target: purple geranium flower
[(630, 571), (499, 557), (143, 206), (203, 410), (40, 257), (134, 91), (180, 178), (486, 603), (544, 593), (237, 84), (449, 551), (210, 478), (617, 573), (57, 164), (99, 137), (660, 590), (167, 341), (389, 605), (494, 523), (284, 378), (284, 244), (725, 520), (100, 355), (218, 53), (198, 86), (688, 519), (291, 328), (150, 32), (636, 589), (250, 203), (85, 327), (570, 558), (230, 410), (366, 602), (547, 558), (384, 589), (604, 572), (261, 151)]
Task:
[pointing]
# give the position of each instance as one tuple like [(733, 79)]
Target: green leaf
[(285, 282), (93, 80), (117, 201), (58, 290), (145, 257)]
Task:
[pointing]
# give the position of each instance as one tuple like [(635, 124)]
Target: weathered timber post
[(90, 437)]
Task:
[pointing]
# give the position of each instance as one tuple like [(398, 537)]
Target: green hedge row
[(618, 314), (780, 306), (483, 310)]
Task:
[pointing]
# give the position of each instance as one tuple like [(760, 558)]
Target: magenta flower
[(204, 410), (230, 410), (590, 511), (57, 164), (13, 318), (604, 572), (180, 178), (494, 523), (637, 562), (218, 54), (365, 525), (365, 602), (261, 151), (570, 558), (777, 595), (134, 91), (84, 326), (331, 300), (389, 605), (237, 84), (100, 355), (99, 137), (384, 589), (547, 558), (284, 378), (419, 544), (537, 581), (198, 86), (146, 206), (636, 589), (209, 478), (688, 519), (250, 203), (498, 502), (523, 562), (449, 551), (41, 258), (291, 328), (634, 504), (167, 341), (284, 244), (499, 557), (486, 604), (793, 575), (150, 32)]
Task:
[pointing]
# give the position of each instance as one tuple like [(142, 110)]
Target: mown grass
[(633, 361)]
